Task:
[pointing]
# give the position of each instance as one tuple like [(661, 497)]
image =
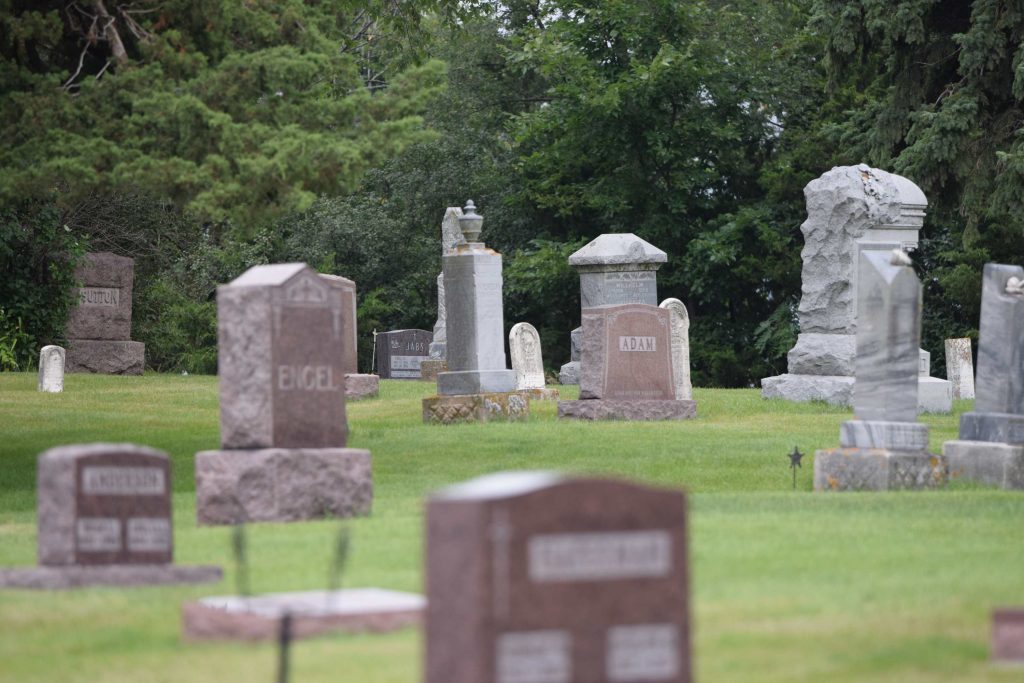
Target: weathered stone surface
[(902, 436), (835, 390), (358, 387), (569, 373), (861, 469), (104, 301), (616, 249), (477, 407), (1000, 381), (888, 339), (627, 353), (401, 352), (960, 367), (105, 357), (282, 484), (535, 577), (451, 236), (527, 362), (993, 427), (51, 369), (995, 464), (545, 394), (680, 325), (823, 354), (258, 617), (1008, 635), (606, 409), (104, 503), (120, 575), (934, 395), (429, 369), (350, 332), (280, 359)]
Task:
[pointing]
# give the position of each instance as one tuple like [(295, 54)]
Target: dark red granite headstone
[(627, 353)]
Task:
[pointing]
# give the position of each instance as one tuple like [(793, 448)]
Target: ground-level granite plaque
[(536, 578)]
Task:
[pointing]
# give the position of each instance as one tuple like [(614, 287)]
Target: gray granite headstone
[(51, 369), (527, 362), (400, 352), (614, 268), (680, 347), (451, 236)]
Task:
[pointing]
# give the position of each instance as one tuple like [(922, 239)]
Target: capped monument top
[(270, 275), (470, 222), (616, 249)]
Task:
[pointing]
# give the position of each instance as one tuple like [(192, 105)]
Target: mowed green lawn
[(786, 586)]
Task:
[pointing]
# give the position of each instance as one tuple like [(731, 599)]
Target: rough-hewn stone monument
[(960, 367), (451, 235), (884, 446), (534, 577), (680, 347), (626, 367), (478, 386), (615, 268), (528, 363), (991, 444), (282, 404), (357, 385), (51, 369), (400, 352), (99, 328), (104, 518), (850, 210)]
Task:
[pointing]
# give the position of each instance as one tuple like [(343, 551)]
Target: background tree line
[(205, 137)]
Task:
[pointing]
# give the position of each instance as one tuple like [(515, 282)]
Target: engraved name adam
[(99, 296), (638, 343), (306, 378)]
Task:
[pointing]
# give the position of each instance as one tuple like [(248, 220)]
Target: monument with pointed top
[(477, 386), (884, 446), (991, 444)]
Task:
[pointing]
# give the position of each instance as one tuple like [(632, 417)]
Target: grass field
[(787, 586)]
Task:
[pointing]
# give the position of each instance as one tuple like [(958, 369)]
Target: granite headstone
[(524, 348), (51, 369), (400, 352), (451, 236), (680, 347), (960, 367)]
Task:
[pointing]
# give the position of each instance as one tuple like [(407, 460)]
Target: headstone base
[(606, 409), (79, 576), (544, 394), (995, 427), (877, 469), (255, 618), (466, 382), (934, 395), (359, 386), (569, 373), (835, 390), (1008, 635), (491, 407), (105, 357), (282, 484), (900, 436), (429, 369), (995, 464)]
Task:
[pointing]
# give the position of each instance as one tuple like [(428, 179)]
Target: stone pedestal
[(569, 373), (835, 390), (105, 356), (282, 484), (877, 469), (484, 407), (605, 409), (359, 386), (544, 394), (995, 464), (429, 369)]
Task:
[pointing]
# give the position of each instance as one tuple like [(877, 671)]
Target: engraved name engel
[(306, 378)]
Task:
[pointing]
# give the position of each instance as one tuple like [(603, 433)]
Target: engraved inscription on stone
[(534, 657), (600, 556), (99, 296), (407, 362), (638, 343), (122, 481), (149, 534), (645, 652), (306, 378), (98, 535), (629, 287)]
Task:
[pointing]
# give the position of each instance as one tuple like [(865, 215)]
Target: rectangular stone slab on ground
[(258, 617), (536, 577), (400, 352)]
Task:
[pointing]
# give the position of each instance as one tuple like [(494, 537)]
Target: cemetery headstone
[(850, 210), (680, 347), (884, 446), (282, 404), (477, 385), (357, 385), (1008, 635), (400, 352), (991, 444), (626, 367), (99, 326), (527, 362), (532, 577), (451, 236), (51, 369), (960, 367), (614, 268), (104, 518)]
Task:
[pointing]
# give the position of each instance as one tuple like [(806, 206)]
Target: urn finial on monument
[(470, 222)]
